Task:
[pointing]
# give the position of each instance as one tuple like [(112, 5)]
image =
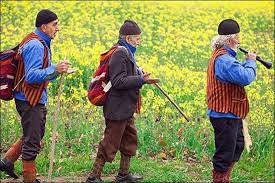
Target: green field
[(175, 47)]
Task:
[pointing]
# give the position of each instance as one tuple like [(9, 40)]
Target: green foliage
[(175, 48)]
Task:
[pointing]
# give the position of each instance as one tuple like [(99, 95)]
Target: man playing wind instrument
[(226, 97)]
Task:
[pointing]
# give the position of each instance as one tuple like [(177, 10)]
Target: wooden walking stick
[(247, 138), (167, 96), (70, 70), (55, 128), (174, 103)]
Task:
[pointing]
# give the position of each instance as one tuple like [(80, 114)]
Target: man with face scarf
[(122, 101)]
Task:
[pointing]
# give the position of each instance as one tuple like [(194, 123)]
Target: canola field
[(176, 38)]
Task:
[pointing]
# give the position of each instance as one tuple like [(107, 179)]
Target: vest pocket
[(238, 100)]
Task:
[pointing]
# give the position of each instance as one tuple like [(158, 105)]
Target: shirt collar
[(132, 48), (230, 51), (43, 36), (128, 46)]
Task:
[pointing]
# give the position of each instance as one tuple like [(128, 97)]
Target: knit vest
[(224, 97), (32, 92)]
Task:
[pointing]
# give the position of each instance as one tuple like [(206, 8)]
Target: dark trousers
[(229, 142), (118, 135), (33, 119)]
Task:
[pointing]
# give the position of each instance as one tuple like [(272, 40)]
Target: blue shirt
[(32, 53), (229, 70)]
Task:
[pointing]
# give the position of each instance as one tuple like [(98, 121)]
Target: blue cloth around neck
[(131, 49)]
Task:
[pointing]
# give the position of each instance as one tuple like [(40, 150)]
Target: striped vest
[(224, 97), (32, 92)]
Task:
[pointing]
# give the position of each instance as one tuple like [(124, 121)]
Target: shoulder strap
[(128, 55), (29, 37), (123, 48), (19, 76)]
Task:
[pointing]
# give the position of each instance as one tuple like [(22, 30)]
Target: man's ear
[(43, 27), (229, 41), (127, 38)]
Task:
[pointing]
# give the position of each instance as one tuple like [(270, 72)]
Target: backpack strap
[(128, 55)]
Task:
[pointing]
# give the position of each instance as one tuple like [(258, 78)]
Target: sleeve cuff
[(142, 80), (51, 73), (250, 62)]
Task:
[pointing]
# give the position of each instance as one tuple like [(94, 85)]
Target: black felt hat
[(228, 26), (129, 28), (45, 16)]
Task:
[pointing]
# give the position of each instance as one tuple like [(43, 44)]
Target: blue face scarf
[(132, 51), (130, 48)]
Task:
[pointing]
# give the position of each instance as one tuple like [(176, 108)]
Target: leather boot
[(7, 163), (124, 175), (8, 167), (94, 180), (220, 177), (35, 181), (29, 171), (95, 175), (128, 178)]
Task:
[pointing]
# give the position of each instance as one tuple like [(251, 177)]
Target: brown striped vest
[(224, 97), (32, 92)]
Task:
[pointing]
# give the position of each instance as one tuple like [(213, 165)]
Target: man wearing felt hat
[(34, 71), (122, 101), (226, 97)]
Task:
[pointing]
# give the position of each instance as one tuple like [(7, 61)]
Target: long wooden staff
[(247, 138), (55, 128), (174, 103), (168, 97)]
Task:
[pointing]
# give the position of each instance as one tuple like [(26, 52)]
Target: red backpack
[(8, 66), (100, 83), (8, 69)]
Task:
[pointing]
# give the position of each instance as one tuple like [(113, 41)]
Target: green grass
[(175, 48), (159, 170), (188, 155)]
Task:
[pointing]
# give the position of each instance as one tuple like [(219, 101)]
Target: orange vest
[(32, 92), (224, 97)]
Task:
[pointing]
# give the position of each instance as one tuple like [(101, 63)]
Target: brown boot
[(220, 177), (29, 171), (97, 169), (124, 175), (14, 151), (124, 164)]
